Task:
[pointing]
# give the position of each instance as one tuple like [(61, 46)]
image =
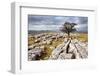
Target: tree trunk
[(68, 35)]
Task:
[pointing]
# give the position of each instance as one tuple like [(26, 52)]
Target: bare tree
[(68, 28)]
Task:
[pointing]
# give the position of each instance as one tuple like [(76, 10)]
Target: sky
[(54, 23)]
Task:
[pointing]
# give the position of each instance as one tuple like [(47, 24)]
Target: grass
[(80, 36), (55, 43), (50, 47), (49, 50), (31, 40), (47, 53), (83, 37)]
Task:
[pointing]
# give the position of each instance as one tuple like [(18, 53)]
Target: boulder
[(56, 52), (65, 56), (37, 41), (34, 53), (31, 46), (53, 37), (51, 47), (43, 42), (48, 42), (73, 49), (81, 50)]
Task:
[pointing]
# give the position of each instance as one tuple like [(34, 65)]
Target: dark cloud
[(39, 22), (83, 20), (44, 20)]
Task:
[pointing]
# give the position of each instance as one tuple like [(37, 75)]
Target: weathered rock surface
[(68, 49), (35, 53)]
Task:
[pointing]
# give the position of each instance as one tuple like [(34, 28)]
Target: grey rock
[(65, 56)]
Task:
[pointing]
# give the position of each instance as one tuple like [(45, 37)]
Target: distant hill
[(32, 32)]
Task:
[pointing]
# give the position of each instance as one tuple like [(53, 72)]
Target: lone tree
[(68, 28)]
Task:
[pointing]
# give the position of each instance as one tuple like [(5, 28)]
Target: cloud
[(44, 27), (40, 22), (82, 28), (44, 20)]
